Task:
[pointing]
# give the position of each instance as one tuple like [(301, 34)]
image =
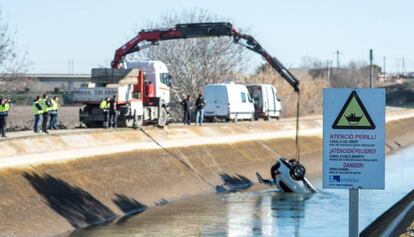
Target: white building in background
[(61, 82)]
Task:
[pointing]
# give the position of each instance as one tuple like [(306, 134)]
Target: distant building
[(61, 82), (410, 75)]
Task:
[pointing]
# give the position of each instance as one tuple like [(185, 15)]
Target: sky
[(73, 36)]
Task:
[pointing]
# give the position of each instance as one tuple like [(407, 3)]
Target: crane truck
[(154, 108), (141, 90)]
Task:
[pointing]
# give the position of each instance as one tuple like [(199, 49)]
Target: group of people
[(43, 109), (45, 112), (199, 109), (109, 107)]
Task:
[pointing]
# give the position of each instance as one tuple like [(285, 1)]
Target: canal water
[(266, 212)]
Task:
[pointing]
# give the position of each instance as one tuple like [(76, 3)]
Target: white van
[(227, 101), (266, 101)]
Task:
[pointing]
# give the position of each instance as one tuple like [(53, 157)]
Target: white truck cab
[(155, 72), (227, 101)]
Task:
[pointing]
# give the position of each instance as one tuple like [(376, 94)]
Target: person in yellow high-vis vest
[(53, 113), (45, 102), (37, 111), (4, 111), (104, 106)]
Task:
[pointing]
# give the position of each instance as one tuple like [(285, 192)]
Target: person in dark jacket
[(46, 105), (187, 106), (200, 103), (113, 116)]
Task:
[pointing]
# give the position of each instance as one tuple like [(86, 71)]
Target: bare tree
[(311, 63), (311, 89), (355, 74), (195, 62), (13, 64)]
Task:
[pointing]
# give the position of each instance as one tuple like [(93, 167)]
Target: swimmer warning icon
[(353, 115)]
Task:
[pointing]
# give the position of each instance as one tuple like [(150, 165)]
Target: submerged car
[(288, 176)]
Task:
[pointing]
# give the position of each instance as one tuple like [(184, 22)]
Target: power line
[(71, 66), (402, 65), (328, 69), (371, 58)]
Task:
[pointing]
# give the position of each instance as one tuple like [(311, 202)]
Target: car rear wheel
[(297, 172)]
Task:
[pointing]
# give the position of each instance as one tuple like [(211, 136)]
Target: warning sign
[(353, 115), (354, 138)]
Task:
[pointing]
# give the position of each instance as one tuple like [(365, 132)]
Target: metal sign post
[(353, 143), (353, 212)]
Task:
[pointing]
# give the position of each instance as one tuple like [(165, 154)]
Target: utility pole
[(71, 67), (383, 66), (371, 57), (337, 58), (403, 66), (328, 69)]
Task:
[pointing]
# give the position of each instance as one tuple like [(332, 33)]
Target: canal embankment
[(52, 184)]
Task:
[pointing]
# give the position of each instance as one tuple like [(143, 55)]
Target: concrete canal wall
[(53, 184)]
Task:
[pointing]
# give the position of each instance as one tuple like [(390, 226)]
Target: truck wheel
[(162, 120), (129, 123), (138, 121)]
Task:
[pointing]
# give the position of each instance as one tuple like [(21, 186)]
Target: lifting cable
[(297, 128), (177, 157)]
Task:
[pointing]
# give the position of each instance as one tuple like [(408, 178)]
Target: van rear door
[(256, 94), (267, 103), (216, 100), (278, 105)]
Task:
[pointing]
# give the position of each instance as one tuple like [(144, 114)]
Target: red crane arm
[(150, 36), (197, 30)]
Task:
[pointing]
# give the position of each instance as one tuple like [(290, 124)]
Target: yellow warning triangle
[(353, 115)]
